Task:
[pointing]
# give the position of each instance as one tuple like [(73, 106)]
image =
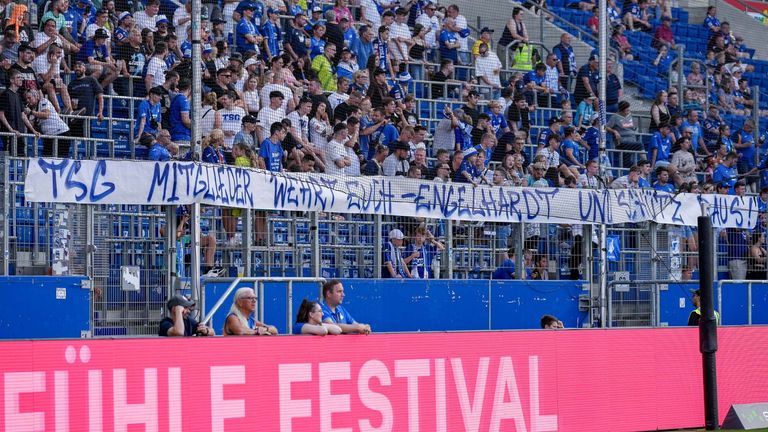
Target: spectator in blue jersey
[(744, 142), (697, 139), (317, 41), (468, 172), (148, 116), (497, 120), (636, 16), (711, 127), (296, 39), (570, 148), (662, 180), (73, 21), (382, 59), (272, 33), (536, 92), (506, 269), (123, 30), (382, 131), (726, 173), (335, 313), (399, 91), (566, 59), (315, 18), (394, 266), (96, 54), (660, 148), (348, 32), (248, 36), (762, 169), (181, 122), (159, 151), (554, 129), (271, 151), (213, 146), (362, 46), (711, 22), (584, 112), (591, 137), (309, 321), (421, 252), (448, 41)]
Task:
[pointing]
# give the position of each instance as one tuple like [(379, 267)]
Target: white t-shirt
[(319, 132), (143, 21), (336, 98), (231, 120), (157, 68), (301, 123), (354, 169), (401, 31), (53, 125), (40, 39), (207, 120), (41, 66), (269, 88), (484, 67), (371, 14), (267, 116), (180, 29), (552, 157), (392, 165), (334, 151), (461, 23), (252, 100)]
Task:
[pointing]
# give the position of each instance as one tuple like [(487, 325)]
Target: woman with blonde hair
[(241, 319), (210, 119), (212, 147)]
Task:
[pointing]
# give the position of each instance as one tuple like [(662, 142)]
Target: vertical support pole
[(449, 249), (259, 290), (520, 241), (314, 239), (604, 294), (196, 142), (7, 214), (756, 119), (247, 242), (377, 234), (708, 322), (289, 307), (680, 87), (654, 239), (749, 303)]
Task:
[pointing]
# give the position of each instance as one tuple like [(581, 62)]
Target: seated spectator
[(663, 60), (549, 322), (636, 16), (48, 69), (309, 321), (241, 319), (179, 323), (726, 173), (661, 146), (664, 35), (335, 313), (572, 155), (662, 180), (594, 21), (620, 42), (629, 181)]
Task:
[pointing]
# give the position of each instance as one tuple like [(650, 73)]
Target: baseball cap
[(247, 6), (469, 152), (594, 117), (317, 9), (123, 16), (179, 300), (697, 292), (25, 47), (251, 61), (162, 19), (272, 11), (553, 120), (101, 33), (399, 145), (464, 33), (594, 57), (396, 234), (250, 119), (236, 56), (404, 77), (486, 30)]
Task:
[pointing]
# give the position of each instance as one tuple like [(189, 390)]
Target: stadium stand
[(401, 80)]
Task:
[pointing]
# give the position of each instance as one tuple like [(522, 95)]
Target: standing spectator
[(271, 113), (181, 122), (587, 80), (711, 127), (396, 164), (745, 146), (566, 59), (659, 112), (488, 69), (421, 253), (613, 91), (394, 266), (231, 122), (248, 36), (271, 150), (429, 21), (711, 22), (147, 19), (515, 32), (697, 139), (374, 165), (149, 117), (11, 115), (87, 91), (49, 123), (362, 46), (24, 66), (296, 39), (337, 157), (449, 41), (273, 35), (322, 65), (400, 36), (371, 12), (684, 161), (156, 68), (334, 312), (320, 128), (382, 59)]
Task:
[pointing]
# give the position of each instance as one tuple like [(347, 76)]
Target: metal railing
[(749, 284), (258, 288)]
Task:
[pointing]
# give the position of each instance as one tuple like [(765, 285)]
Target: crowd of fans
[(306, 87)]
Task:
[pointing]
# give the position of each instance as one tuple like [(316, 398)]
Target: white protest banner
[(177, 183)]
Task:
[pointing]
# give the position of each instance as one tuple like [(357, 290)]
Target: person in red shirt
[(664, 35)]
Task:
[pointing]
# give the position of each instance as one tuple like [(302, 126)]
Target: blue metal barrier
[(43, 307)]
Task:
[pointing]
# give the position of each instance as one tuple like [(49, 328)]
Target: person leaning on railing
[(241, 320), (180, 323)]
